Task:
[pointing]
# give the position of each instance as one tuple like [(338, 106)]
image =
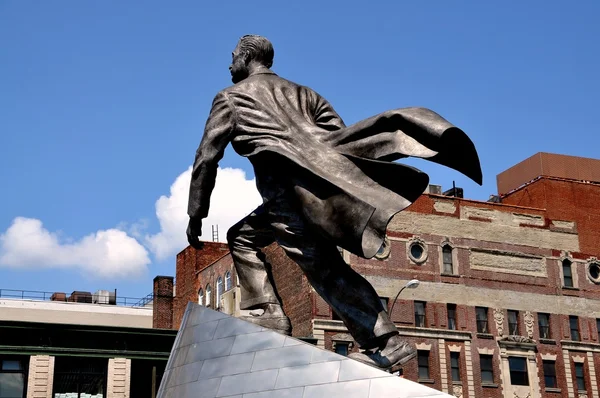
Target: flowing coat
[(344, 179)]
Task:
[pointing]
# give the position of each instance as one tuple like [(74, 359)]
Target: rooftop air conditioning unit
[(434, 189), (104, 297)]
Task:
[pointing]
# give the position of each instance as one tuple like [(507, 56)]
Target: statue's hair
[(259, 49)]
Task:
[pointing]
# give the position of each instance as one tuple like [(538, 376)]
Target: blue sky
[(102, 106)]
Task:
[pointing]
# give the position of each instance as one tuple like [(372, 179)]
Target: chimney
[(162, 309)]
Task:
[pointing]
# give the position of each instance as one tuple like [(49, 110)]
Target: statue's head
[(252, 51)]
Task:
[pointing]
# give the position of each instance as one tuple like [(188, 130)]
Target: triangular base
[(216, 355)]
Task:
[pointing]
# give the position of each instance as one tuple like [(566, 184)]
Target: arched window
[(567, 273), (219, 292), (447, 259), (208, 293), (201, 297), (227, 280)]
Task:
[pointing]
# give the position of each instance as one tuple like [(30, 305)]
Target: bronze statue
[(324, 186)]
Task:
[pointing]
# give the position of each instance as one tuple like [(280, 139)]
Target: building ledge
[(493, 385), (553, 390), (404, 330), (579, 346)]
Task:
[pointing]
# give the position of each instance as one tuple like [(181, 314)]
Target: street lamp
[(412, 284)]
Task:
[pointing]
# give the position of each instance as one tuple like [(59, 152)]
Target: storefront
[(81, 361)]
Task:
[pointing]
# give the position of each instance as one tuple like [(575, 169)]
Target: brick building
[(508, 303)]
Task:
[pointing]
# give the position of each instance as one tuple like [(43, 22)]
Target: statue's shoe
[(403, 353), (279, 324)]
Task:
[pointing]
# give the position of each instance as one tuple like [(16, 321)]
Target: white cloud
[(117, 252), (233, 197), (107, 253)]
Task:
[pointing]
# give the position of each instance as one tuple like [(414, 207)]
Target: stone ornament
[(499, 319), (528, 317), (457, 391)]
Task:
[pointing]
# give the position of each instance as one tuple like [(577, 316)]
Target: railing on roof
[(83, 297), (144, 300)]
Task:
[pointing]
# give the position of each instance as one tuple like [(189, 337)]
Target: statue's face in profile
[(238, 68)]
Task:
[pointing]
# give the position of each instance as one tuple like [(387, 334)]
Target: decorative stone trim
[(342, 337), (593, 270), (549, 357), (567, 362), (486, 351), (567, 256), (528, 318), (443, 365), (41, 376), (416, 241), (578, 359), (454, 251), (423, 347), (469, 365), (499, 319), (457, 391), (592, 369), (385, 250), (455, 348), (119, 373)]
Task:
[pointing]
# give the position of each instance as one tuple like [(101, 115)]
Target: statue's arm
[(324, 115), (217, 134)]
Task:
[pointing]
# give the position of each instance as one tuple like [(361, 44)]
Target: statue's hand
[(194, 231)]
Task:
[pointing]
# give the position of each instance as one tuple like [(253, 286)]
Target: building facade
[(79, 346), (508, 303)]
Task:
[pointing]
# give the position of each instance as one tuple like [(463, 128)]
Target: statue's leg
[(246, 239), (350, 295)]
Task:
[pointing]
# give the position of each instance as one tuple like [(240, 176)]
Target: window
[(574, 325), (227, 280), (481, 315), (208, 294), (550, 374), (13, 377), (486, 365), (580, 376), (423, 360), (80, 377), (455, 365), (598, 328), (567, 273), (513, 322), (451, 308), (518, 371), (447, 259), (420, 314), (201, 297), (341, 348), (384, 250), (544, 325), (384, 303), (594, 272), (219, 292)]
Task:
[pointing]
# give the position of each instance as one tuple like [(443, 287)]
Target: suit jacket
[(342, 178)]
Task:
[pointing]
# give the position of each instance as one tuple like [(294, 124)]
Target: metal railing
[(144, 300), (85, 298)]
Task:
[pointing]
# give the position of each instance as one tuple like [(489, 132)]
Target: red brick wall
[(189, 262), (210, 275), (565, 200), (162, 310)]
